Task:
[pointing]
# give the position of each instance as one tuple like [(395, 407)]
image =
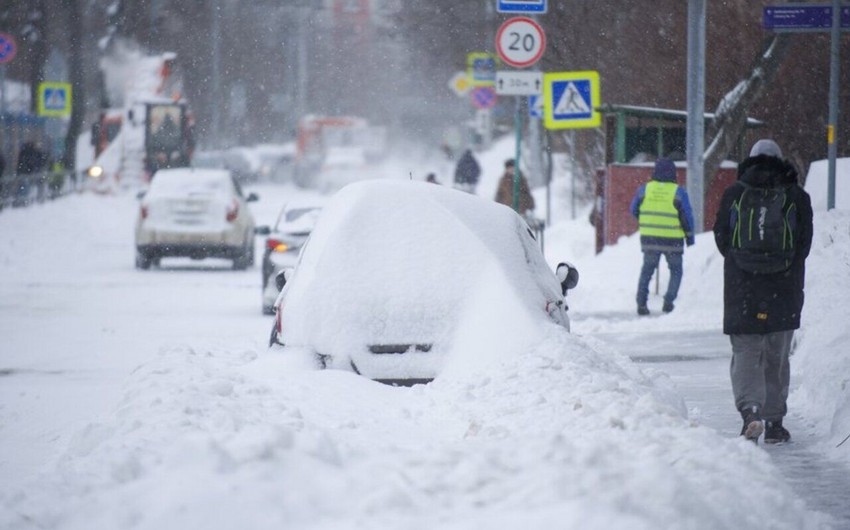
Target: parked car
[(196, 213), (393, 272), (283, 242)]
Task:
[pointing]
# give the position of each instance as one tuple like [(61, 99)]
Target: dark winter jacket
[(467, 171), (763, 303), (666, 240)]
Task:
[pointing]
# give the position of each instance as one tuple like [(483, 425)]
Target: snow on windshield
[(184, 182)]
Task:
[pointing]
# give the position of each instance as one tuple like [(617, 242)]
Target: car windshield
[(298, 219), (184, 183)]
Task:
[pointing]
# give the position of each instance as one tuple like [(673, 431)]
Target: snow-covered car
[(396, 273), (196, 213), (283, 242)]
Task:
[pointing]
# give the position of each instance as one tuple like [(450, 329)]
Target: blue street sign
[(802, 17), (54, 99), (570, 100), (529, 7), (535, 106)]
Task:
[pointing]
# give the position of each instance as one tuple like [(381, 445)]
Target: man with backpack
[(666, 223), (763, 229)]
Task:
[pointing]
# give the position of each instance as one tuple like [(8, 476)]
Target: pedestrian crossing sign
[(571, 99), (54, 99)]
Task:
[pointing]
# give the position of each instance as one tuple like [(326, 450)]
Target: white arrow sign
[(511, 83)]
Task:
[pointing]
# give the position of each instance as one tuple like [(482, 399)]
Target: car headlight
[(95, 172)]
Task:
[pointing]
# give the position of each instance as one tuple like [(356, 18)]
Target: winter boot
[(753, 426), (643, 310), (775, 433), (668, 306)]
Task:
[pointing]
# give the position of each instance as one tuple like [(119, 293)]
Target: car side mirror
[(282, 277), (252, 197), (567, 275), (263, 230)]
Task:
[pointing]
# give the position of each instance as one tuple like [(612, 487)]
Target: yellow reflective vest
[(658, 214)]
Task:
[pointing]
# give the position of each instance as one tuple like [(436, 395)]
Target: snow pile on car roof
[(410, 262)]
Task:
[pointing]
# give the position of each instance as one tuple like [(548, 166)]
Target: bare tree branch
[(731, 114)]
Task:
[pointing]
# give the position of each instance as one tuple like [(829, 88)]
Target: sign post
[(520, 42)]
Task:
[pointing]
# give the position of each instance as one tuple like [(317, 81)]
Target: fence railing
[(17, 191)]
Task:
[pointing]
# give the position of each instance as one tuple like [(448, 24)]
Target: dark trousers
[(651, 259)]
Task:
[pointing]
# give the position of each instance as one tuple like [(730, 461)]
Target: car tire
[(250, 250), (143, 261), (268, 310), (243, 260)]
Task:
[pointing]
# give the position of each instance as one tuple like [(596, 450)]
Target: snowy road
[(142, 399), (698, 363)]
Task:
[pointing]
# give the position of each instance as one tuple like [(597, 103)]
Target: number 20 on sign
[(520, 42)]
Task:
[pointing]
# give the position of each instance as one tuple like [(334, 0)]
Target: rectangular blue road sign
[(802, 17), (529, 7)]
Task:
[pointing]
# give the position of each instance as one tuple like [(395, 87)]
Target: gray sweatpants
[(761, 373)]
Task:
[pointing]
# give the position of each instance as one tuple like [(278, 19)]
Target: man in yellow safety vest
[(666, 223)]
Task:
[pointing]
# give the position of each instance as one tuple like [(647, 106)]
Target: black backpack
[(763, 222)]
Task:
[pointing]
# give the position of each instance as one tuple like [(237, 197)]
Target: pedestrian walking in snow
[(505, 191), (467, 172), (763, 229), (666, 223)]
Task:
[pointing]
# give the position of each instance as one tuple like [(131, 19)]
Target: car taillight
[(233, 211), (275, 245), (143, 211)]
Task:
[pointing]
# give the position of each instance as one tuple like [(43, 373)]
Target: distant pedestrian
[(467, 172), (763, 229), (505, 191), (32, 162), (31, 159), (666, 222)]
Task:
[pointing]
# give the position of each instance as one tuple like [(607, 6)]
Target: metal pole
[(216, 75), (832, 128), (301, 91), (518, 126), (696, 110)]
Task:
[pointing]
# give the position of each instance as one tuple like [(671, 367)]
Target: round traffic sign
[(8, 48), (520, 42), (484, 97)]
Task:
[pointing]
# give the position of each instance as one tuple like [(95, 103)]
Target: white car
[(396, 272), (196, 213), (283, 243)]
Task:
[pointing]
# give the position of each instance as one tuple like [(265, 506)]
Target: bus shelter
[(634, 138)]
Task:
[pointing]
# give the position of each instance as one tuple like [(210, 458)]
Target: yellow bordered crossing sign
[(570, 100), (481, 68), (54, 99)]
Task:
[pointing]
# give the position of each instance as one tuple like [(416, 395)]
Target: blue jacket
[(686, 218)]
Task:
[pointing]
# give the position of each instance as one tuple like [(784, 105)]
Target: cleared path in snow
[(698, 363)]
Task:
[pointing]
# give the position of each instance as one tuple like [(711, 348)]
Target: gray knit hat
[(766, 147)]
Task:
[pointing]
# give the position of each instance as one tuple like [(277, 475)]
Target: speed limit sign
[(520, 42)]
